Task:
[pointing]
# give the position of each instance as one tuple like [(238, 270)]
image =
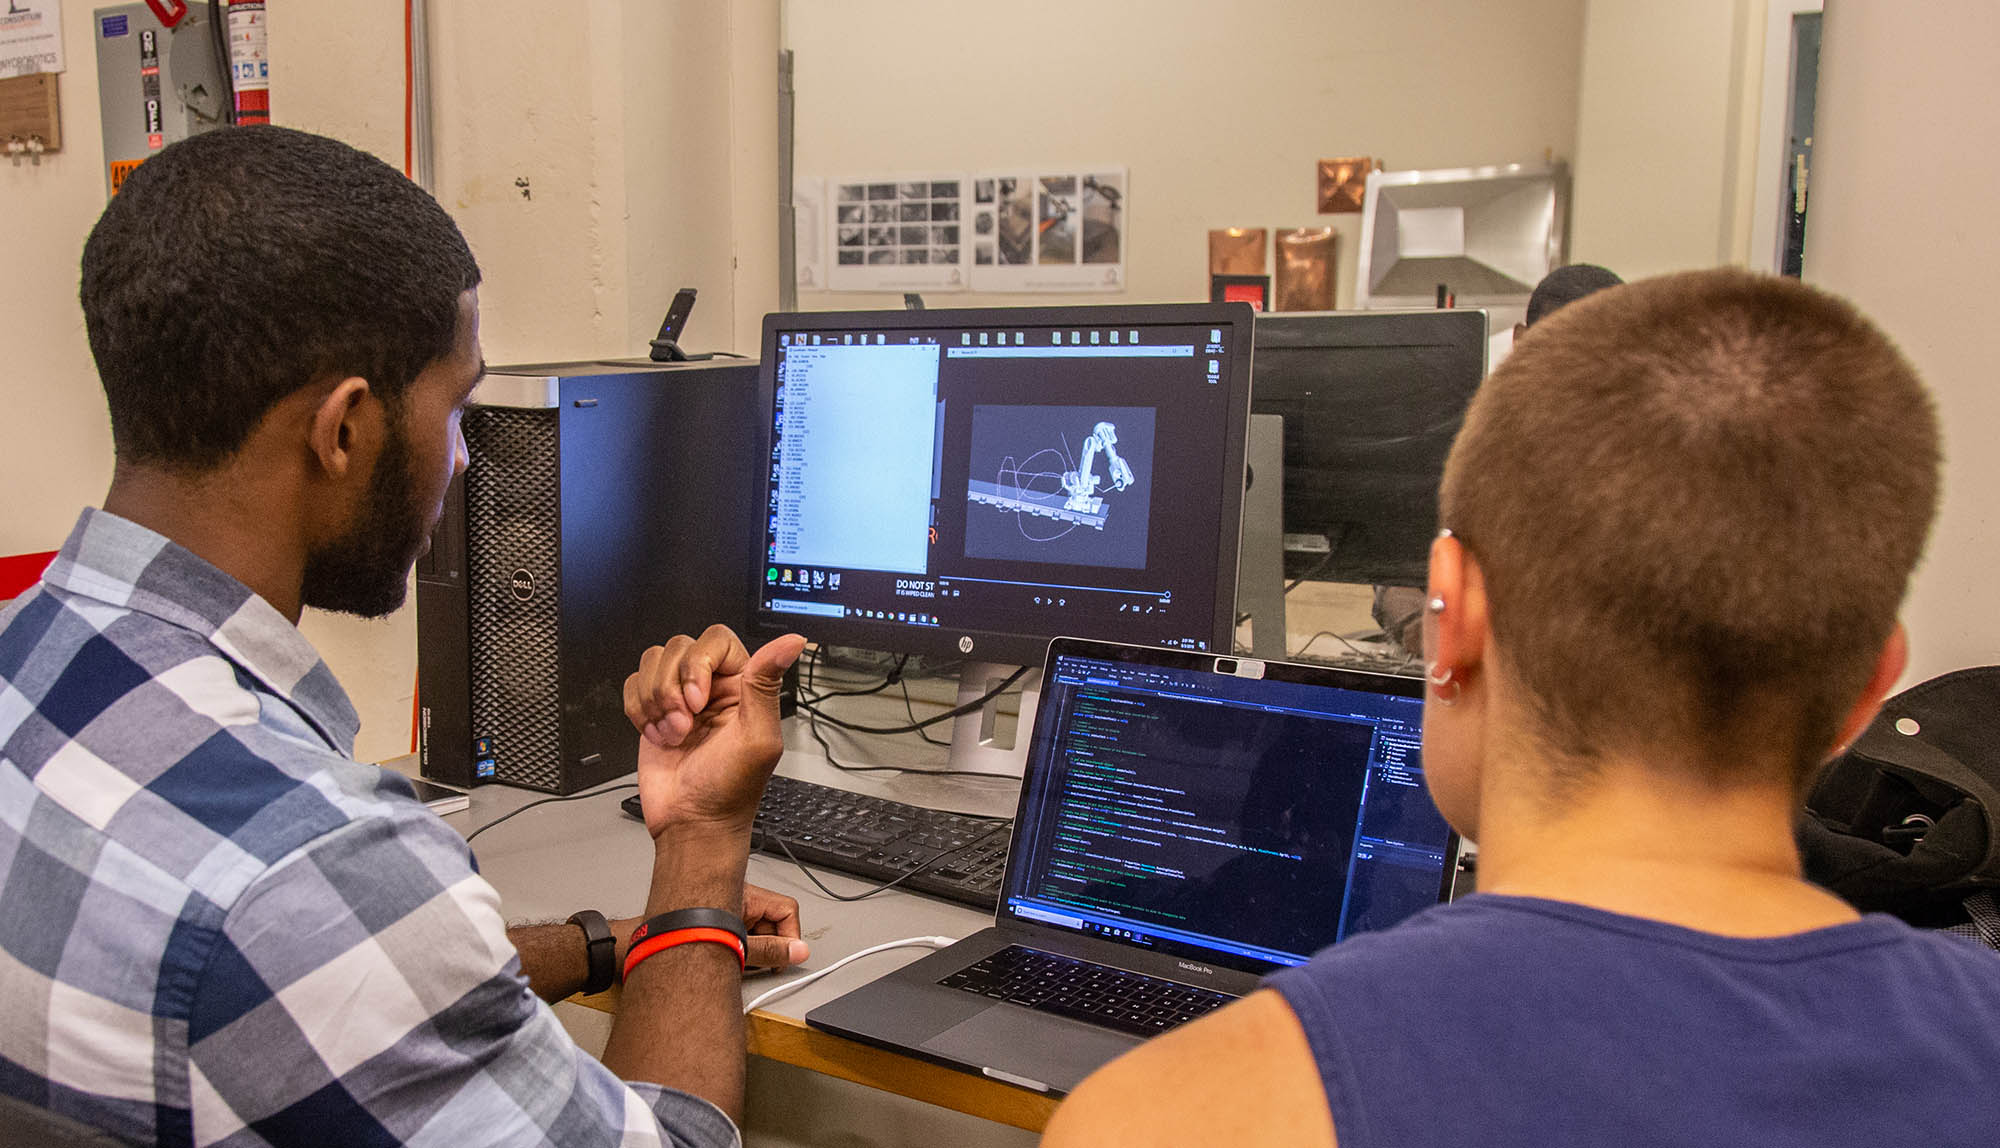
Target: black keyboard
[(1117, 999), (953, 856)]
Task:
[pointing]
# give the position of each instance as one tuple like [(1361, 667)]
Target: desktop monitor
[(1371, 402), (973, 483)]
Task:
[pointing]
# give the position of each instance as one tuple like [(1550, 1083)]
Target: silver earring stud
[(1437, 605)]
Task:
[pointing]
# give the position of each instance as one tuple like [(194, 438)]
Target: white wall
[(1220, 111), (1666, 132), (651, 164), (1901, 221)]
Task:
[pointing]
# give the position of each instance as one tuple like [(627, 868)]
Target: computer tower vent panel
[(514, 570)]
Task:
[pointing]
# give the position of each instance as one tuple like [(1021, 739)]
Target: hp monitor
[(973, 483)]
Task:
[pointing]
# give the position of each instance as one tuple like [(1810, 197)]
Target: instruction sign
[(31, 38)]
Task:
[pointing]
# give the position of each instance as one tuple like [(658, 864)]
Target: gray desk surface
[(553, 860)]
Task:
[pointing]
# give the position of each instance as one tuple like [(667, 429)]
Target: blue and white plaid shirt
[(217, 928)]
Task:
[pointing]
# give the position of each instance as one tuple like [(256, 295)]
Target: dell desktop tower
[(604, 509)]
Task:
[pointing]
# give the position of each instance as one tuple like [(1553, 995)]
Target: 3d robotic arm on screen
[(1081, 484)]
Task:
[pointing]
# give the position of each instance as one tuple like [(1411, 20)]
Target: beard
[(366, 571)]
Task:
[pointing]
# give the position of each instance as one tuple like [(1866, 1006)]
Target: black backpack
[(1907, 821)]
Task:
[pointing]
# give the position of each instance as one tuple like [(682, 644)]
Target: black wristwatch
[(601, 947)]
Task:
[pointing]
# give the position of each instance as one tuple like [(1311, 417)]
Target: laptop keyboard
[(1081, 990)]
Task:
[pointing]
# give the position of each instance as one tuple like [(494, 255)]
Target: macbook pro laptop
[(1187, 824)]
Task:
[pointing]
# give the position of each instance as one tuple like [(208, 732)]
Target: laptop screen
[(1245, 821)]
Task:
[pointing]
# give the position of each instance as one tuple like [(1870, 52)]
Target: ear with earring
[(1440, 679)]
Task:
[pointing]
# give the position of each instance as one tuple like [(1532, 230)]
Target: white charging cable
[(790, 987)]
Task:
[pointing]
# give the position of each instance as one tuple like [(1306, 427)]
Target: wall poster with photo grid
[(1048, 229), (901, 233)]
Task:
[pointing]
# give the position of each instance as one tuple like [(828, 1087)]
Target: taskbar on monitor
[(807, 608)]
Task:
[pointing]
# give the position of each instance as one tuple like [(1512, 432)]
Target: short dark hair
[(1696, 501), (242, 264), (1565, 285)]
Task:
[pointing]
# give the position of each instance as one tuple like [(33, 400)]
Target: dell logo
[(1190, 966), (965, 645), (522, 584)]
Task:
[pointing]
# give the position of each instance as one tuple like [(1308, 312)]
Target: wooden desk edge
[(789, 1040)]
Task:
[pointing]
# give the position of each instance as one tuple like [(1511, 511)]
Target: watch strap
[(601, 946)]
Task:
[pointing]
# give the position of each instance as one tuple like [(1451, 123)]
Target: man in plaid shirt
[(215, 926)]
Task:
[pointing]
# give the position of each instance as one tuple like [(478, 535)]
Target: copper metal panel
[(1305, 269), (1236, 251), (1343, 181)]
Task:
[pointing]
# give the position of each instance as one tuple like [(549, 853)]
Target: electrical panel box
[(156, 85)]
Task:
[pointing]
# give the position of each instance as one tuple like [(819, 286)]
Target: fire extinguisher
[(249, 62)]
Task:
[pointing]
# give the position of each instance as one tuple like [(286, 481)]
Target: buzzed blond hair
[(1696, 501)]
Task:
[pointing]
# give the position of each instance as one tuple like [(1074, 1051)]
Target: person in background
[(216, 926), (1563, 286), (1681, 520)]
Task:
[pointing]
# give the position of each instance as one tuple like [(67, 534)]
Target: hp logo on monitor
[(965, 645)]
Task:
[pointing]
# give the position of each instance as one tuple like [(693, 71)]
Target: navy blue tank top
[(1512, 1021)]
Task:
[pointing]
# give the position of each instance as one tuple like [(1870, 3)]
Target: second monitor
[(1371, 402)]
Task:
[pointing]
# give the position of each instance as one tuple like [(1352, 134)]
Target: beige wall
[(1220, 111), (55, 439), (1902, 223), (637, 124), (1666, 131)]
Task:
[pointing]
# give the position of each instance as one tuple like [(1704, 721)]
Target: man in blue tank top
[(1682, 516)]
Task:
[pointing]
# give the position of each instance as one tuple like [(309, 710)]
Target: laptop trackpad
[(1054, 1050)]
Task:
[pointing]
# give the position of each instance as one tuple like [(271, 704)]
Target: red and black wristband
[(686, 926)]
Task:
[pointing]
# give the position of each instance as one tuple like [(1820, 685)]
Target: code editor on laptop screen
[(1225, 817)]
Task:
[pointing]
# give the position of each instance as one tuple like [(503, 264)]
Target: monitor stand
[(1260, 563), (975, 742)]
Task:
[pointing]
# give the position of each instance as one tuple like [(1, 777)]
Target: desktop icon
[(1114, 338), (833, 581), (771, 575)]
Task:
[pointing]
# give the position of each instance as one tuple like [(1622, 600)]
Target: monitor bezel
[(999, 646)]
